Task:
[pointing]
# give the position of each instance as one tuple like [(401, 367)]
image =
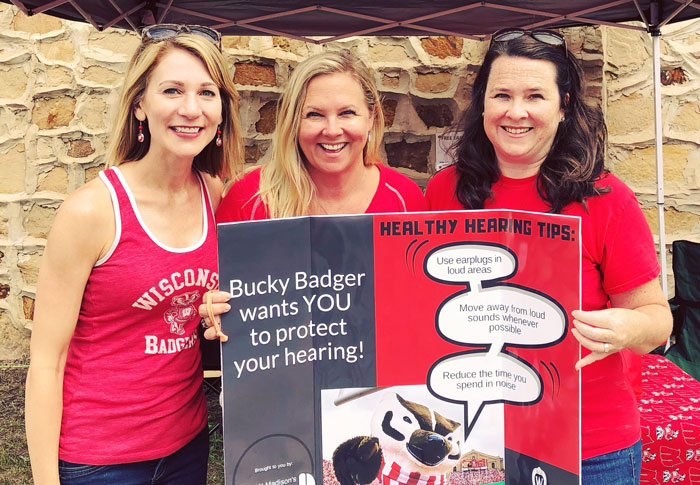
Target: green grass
[(215, 475), (14, 458)]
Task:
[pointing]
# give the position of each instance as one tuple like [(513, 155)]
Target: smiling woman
[(522, 112), (531, 143), (325, 150), (114, 390), (334, 127), (183, 114)]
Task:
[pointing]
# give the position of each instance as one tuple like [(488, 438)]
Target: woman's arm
[(79, 236), (640, 320)]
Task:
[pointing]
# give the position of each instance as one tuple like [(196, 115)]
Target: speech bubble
[(459, 263), (507, 313), (477, 378)]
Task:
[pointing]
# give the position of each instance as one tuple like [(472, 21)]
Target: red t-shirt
[(618, 255), (395, 193)]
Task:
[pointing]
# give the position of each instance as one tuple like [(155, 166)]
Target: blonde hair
[(224, 161), (285, 185)]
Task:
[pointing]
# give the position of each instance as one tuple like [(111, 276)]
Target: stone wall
[(58, 80), (628, 90)]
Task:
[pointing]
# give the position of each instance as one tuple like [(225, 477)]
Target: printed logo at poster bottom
[(255, 468), (523, 469)]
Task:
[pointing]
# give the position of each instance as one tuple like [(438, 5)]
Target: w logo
[(181, 311), (539, 477)]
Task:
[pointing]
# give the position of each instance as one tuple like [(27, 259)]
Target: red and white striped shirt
[(392, 474)]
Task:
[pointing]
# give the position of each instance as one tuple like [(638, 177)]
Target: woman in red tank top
[(114, 386)]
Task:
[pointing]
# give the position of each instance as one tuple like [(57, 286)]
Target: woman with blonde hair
[(114, 386), (325, 150)]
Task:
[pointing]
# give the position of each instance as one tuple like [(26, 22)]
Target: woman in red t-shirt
[(531, 143), (325, 150)]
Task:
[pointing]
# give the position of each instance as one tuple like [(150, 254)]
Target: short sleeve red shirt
[(618, 255)]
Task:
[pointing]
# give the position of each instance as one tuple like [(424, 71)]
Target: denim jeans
[(621, 467), (186, 466)]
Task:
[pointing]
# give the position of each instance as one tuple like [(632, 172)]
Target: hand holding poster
[(462, 316)]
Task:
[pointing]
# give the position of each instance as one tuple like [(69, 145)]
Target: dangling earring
[(140, 137), (369, 137), (563, 117), (218, 140)]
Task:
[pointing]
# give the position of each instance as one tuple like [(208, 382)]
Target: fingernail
[(228, 307), (228, 295)]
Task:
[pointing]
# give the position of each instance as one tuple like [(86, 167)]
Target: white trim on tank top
[(117, 220), (134, 207)]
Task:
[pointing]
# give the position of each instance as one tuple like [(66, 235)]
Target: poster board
[(441, 148), (464, 315)]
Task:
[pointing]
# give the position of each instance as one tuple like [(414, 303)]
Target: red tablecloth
[(670, 411)]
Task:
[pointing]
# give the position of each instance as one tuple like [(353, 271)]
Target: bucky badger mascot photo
[(409, 442)]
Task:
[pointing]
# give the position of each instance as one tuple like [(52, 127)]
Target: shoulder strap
[(207, 201), (119, 200), (112, 177)]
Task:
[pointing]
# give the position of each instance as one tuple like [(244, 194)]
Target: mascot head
[(415, 437)]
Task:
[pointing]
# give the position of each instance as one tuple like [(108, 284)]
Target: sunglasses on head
[(159, 32), (549, 37)]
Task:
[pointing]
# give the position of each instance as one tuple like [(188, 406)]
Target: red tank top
[(132, 385)]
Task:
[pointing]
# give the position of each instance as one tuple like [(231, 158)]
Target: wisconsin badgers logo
[(539, 477), (647, 455), (673, 476), (182, 311), (667, 433)]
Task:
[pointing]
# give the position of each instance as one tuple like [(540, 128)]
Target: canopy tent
[(321, 21), (336, 19)]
